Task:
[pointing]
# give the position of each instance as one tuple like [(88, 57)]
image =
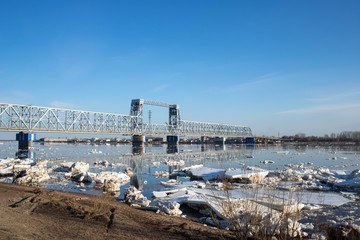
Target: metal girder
[(156, 103), (136, 109), (29, 118)]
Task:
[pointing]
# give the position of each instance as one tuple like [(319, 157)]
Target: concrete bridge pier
[(172, 139), (138, 140), (219, 140), (138, 144), (173, 144), (25, 145)]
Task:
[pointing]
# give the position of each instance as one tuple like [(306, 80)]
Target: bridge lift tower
[(136, 109)]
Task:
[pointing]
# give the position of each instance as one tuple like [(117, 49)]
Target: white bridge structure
[(28, 118)]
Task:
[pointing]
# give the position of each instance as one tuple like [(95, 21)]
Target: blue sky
[(280, 67)]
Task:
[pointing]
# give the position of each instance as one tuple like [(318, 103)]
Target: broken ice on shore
[(274, 198), (275, 192), (25, 171), (106, 180), (135, 198)]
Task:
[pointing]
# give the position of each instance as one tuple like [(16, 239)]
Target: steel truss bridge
[(27, 118)]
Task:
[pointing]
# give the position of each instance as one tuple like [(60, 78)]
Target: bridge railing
[(28, 118)]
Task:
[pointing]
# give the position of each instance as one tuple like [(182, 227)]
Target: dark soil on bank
[(36, 213)]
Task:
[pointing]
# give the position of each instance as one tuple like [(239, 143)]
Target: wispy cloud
[(270, 77), (335, 96), (323, 108), (160, 88), (59, 104)]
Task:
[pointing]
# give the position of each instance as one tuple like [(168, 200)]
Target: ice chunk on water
[(350, 184), (134, 197), (170, 208), (5, 162), (174, 163), (7, 171), (106, 175), (192, 167), (35, 174), (111, 185), (161, 174), (81, 177), (67, 165), (207, 173), (354, 174), (80, 167), (159, 194), (252, 175)]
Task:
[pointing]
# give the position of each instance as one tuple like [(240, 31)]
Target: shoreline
[(101, 213)]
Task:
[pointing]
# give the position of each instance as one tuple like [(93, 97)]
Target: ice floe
[(81, 177), (161, 174), (103, 163), (111, 185), (170, 208), (94, 151), (33, 175), (174, 163), (135, 198), (107, 175), (186, 169), (80, 167), (206, 173), (252, 175), (267, 162)]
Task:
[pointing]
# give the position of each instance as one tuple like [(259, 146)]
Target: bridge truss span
[(42, 119), (214, 129), (27, 118)]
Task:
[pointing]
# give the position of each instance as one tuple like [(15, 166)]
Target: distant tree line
[(346, 136)]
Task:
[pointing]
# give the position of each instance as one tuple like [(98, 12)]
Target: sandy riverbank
[(36, 213)]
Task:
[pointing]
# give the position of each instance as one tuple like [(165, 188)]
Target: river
[(144, 162)]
